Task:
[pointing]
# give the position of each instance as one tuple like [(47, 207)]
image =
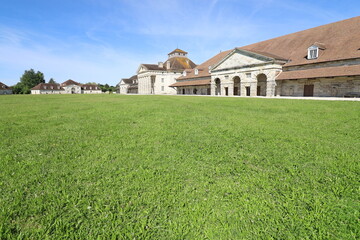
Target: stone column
[(270, 88), (213, 88), (242, 89), (231, 88), (253, 89), (222, 88)]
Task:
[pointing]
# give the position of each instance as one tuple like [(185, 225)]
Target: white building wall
[(69, 87), (91, 91), (248, 79)]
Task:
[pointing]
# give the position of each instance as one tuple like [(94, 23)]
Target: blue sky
[(106, 40)]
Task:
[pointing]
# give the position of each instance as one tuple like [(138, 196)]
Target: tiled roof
[(353, 70), (190, 73), (178, 51), (180, 63), (4, 87), (176, 63), (130, 80), (154, 67), (337, 41), (48, 86), (191, 83), (69, 82)]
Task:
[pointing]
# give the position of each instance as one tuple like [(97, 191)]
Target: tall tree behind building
[(28, 80)]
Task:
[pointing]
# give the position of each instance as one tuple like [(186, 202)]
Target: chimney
[(168, 65), (161, 64)]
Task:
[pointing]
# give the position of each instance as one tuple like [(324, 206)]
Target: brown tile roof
[(353, 70), (204, 67), (48, 86), (130, 80), (69, 82), (339, 40), (176, 63), (178, 50), (4, 87), (154, 67), (179, 63), (90, 87), (191, 83)]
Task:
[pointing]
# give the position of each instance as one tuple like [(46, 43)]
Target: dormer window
[(184, 73), (313, 52), (196, 71)]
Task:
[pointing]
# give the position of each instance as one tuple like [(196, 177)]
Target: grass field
[(170, 167)]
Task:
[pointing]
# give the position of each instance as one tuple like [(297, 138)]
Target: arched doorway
[(261, 85), (236, 86), (72, 90), (183, 91), (217, 86), (195, 91)]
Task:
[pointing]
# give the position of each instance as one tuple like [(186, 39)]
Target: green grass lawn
[(171, 167)]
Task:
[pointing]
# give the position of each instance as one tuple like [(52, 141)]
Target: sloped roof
[(204, 67), (339, 40), (176, 63), (130, 80), (178, 50), (69, 82), (179, 63), (192, 83), (4, 87), (339, 71), (154, 67), (48, 86)]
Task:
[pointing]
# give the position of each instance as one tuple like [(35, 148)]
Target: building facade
[(323, 61), (128, 85), (158, 78)]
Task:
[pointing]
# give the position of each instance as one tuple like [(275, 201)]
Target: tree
[(28, 80), (51, 80)]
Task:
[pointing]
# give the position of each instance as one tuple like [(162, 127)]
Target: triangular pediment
[(142, 68), (240, 58)]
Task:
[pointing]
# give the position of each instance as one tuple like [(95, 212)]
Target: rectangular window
[(162, 88), (248, 75), (162, 80), (313, 53)]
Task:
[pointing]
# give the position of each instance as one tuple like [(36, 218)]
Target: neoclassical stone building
[(323, 61), (157, 78)]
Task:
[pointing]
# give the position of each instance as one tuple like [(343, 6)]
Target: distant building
[(67, 87), (71, 87), (47, 88), (4, 89), (157, 78)]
